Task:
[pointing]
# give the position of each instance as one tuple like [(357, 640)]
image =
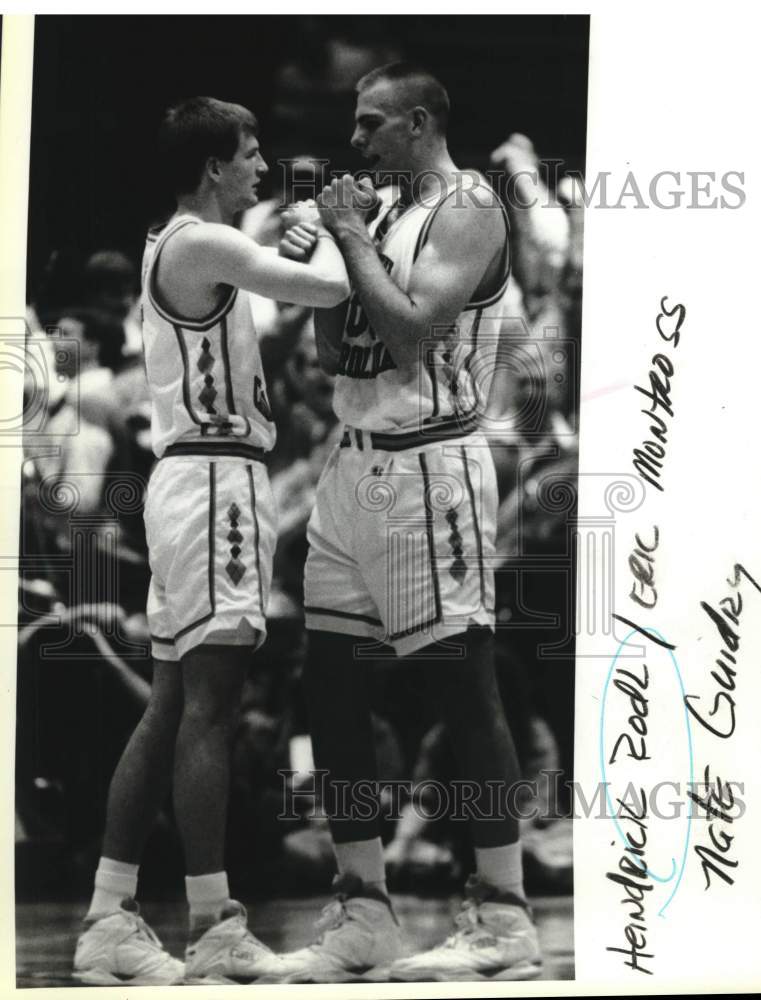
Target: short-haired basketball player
[(210, 524), (402, 534)]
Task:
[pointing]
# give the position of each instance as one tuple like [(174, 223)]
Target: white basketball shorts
[(211, 530), (401, 542)]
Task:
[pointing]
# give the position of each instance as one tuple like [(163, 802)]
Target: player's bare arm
[(216, 254), (298, 243), (465, 242)]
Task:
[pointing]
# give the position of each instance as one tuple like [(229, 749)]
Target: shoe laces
[(146, 933), (252, 941), (236, 913), (471, 932), (333, 916)]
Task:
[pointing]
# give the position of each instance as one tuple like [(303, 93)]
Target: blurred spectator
[(80, 444), (90, 373), (537, 470), (540, 228), (111, 285), (537, 437), (569, 194)]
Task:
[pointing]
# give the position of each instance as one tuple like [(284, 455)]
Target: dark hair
[(101, 328), (196, 129), (109, 270), (428, 92)]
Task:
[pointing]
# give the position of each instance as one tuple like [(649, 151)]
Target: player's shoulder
[(471, 206), (476, 190), (194, 242)]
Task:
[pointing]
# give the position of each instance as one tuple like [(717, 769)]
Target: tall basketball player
[(402, 534), (210, 524)]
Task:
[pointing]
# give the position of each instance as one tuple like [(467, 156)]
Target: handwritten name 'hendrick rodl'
[(634, 878), (648, 459)]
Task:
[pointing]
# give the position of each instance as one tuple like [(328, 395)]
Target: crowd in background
[(84, 670)]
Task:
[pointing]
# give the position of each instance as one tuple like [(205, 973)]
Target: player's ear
[(419, 117), (213, 168)]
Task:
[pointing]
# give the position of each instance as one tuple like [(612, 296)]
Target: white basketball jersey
[(205, 375), (449, 385)]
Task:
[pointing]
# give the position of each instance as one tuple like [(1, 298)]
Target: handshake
[(345, 202)]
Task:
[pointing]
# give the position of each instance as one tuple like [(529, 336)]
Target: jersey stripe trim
[(430, 537), (506, 267), (425, 229), (468, 362), (211, 547), (226, 448), (430, 622), (310, 609), (256, 536), (506, 256), (429, 363), (226, 365), (456, 426), (205, 322), (161, 640), (405, 633), (476, 526), (185, 375), (440, 430)]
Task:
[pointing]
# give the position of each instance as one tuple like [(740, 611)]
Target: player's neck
[(428, 176), (203, 207)]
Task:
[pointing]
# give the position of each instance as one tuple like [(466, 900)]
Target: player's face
[(240, 176), (382, 129)]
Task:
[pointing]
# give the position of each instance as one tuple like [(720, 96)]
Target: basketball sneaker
[(356, 933), (495, 940), (121, 949), (227, 952)]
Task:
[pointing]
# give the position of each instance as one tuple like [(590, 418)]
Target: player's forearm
[(320, 283), (392, 314), (328, 263)]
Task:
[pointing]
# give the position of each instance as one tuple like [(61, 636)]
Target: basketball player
[(402, 534), (210, 525)]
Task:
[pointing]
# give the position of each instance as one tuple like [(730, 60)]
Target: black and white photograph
[(296, 572), (381, 566)]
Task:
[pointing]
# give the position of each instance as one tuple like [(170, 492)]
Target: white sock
[(501, 867), (207, 898), (114, 880), (363, 858)]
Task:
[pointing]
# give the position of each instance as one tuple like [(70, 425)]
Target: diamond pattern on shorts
[(458, 568), (235, 569), (205, 364)]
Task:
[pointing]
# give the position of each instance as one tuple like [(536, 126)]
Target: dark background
[(101, 84)]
